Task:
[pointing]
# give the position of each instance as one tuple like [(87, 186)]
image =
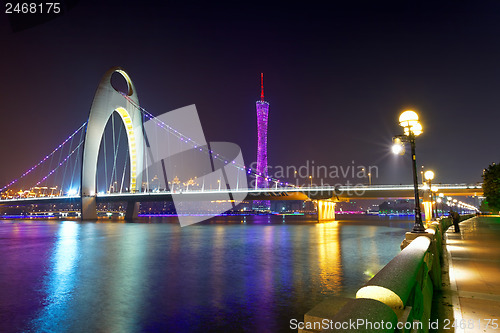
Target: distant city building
[(397, 207)]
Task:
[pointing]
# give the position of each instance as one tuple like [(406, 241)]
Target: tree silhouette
[(491, 186)]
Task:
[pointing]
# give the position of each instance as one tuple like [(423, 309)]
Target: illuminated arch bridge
[(217, 163), (106, 101)]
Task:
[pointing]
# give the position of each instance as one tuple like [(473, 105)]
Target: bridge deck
[(338, 193)]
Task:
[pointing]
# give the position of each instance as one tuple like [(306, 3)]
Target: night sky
[(336, 76)]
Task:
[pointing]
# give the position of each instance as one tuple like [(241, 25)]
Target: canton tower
[(262, 117)]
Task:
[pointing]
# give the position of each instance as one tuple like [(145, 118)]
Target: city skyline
[(339, 79)]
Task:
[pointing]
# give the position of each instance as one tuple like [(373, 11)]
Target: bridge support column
[(132, 211), (428, 210), (89, 208), (326, 210)]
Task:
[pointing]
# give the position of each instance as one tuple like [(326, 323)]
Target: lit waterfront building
[(262, 120)]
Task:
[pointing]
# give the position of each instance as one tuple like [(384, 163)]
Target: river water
[(232, 274)]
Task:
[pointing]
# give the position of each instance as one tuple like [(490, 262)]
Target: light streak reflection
[(61, 280)]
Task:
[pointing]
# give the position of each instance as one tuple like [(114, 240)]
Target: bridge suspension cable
[(30, 170), (115, 153), (60, 164)]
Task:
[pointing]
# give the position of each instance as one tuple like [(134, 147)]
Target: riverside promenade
[(471, 299)]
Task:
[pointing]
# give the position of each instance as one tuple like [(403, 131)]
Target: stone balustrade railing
[(397, 299)]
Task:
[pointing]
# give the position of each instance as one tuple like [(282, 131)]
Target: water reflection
[(329, 256), (217, 266), (61, 280), (250, 274), (127, 281), (268, 252)]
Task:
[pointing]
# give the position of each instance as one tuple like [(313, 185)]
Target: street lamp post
[(440, 199), (369, 176), (412, 128), (429, 176), (434, 190), (418, 226)]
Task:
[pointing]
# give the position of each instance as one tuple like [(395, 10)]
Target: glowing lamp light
[(429, 175), (72, 192), (398, 147), (409, 121), (416, 129), (408, 118)]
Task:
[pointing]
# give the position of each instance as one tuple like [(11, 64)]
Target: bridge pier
[(326, 210), (89, 208), (132, 211), (427, 210)]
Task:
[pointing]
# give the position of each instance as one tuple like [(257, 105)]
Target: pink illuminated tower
[(262, 119)]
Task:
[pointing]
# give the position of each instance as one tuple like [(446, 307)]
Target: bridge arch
[(108, 100)]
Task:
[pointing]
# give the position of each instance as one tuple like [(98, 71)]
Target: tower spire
[(262, 87)]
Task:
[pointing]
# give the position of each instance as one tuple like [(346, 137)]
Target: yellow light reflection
[(329, 255)]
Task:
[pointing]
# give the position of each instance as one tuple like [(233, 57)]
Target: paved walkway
[(474, 271)]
